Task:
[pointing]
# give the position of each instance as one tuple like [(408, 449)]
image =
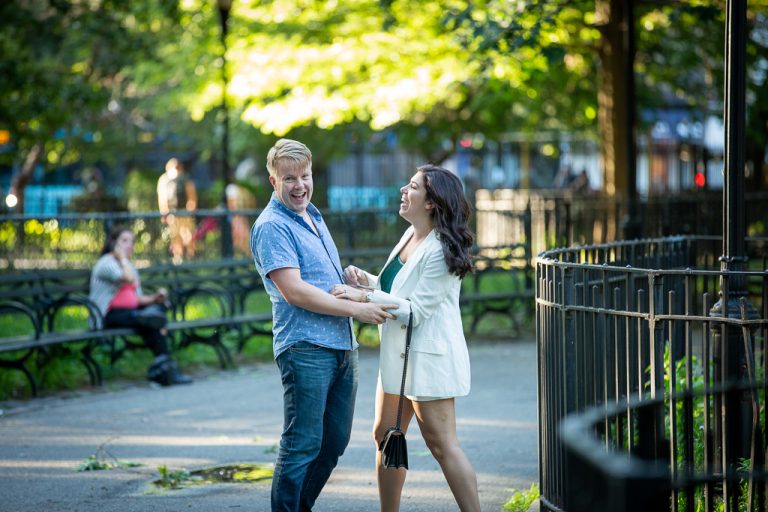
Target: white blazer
[(438, 363)]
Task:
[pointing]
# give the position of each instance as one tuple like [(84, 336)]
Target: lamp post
[(731, 345), (224, 7), (632, 228)]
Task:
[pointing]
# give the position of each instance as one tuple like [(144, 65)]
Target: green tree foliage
[(110, 75), (431, 71), (62, 61), (680, 62), (62, 64), (680, 56)]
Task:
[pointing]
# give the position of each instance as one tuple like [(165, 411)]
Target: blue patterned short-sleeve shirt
[(280, 238)]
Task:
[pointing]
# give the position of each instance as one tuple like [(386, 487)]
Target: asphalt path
[(236, 417)]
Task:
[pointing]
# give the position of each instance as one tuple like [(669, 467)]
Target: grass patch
[(237, 473), (101, 459), (521, 501), (60, 369)]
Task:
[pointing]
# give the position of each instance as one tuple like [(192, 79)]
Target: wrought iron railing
[(539, 219), (74, 240), (563, 219), (613, 469), (640, 321)]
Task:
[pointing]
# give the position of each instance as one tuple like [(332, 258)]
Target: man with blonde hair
[(313, 340)]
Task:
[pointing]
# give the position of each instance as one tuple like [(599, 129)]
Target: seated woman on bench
[(116, 291)]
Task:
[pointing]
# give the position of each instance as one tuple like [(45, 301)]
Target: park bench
[(51, 307), (502, 284), (211, 299)]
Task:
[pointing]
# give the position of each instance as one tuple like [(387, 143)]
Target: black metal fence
[(601, 450), (633, 329), (539, 219), (74, 240), (563, 219)]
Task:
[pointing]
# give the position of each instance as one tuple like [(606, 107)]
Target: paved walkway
[(236, 416)]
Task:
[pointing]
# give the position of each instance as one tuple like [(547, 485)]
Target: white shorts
[(426, 398)]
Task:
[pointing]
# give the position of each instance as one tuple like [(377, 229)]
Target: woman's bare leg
[(437, 421), (390, 480)]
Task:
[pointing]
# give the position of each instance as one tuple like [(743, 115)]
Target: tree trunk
[(525, 164), (612, 100), (21, 179)]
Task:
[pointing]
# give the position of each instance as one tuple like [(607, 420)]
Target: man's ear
[(272, 181)]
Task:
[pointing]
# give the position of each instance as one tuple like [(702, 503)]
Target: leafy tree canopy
[(104, 74), (63, 63)]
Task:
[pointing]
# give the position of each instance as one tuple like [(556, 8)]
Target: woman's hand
[(342, 291), (161, 295), (355, 277), (122, 260), (119, 254)]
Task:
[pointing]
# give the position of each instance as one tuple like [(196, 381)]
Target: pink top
[(125, 298)]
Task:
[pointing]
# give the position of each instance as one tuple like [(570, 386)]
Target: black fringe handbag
[(394, 451)]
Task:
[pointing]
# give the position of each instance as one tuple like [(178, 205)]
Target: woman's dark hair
[(109, 243), (451, 216)]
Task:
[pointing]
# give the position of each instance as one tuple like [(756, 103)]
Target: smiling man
[(313, 341)]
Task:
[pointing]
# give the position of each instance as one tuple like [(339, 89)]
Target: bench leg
[(242, 339), (94, 370), (20, 364), (245, 331), (225, 358), (510, 308), (213, 341)]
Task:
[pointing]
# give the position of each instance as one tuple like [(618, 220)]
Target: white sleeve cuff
[(403, 306)]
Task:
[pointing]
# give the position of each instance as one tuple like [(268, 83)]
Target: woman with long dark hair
[(116, 290), (423, 276)]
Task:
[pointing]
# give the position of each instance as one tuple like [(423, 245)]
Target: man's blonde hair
[(291, 152)]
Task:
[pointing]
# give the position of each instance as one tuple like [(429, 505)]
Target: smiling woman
[(423, 276)]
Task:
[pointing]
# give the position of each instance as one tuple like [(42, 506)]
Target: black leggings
[(155, 340)]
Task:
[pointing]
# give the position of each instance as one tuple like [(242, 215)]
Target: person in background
[(423, 276), (116, 290), (313, 341), (176, 192), (239, 197)]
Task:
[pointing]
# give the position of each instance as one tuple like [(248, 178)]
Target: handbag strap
[(405, 368)]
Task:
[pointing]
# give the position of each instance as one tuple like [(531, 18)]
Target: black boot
[(158, 370), (165, 371), (175, 375)]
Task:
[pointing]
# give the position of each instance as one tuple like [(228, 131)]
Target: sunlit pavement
[(236, 416)]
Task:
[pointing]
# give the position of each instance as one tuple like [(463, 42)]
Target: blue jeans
[(319, 388)]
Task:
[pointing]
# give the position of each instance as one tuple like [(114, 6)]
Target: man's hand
[(298, 292), (372, 313), (355, 277)]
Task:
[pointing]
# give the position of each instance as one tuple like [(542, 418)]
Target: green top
[(389, 273)]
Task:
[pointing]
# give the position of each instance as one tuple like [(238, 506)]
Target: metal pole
[(226, 228), (734, 225), (728, 353), (631, 226)]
